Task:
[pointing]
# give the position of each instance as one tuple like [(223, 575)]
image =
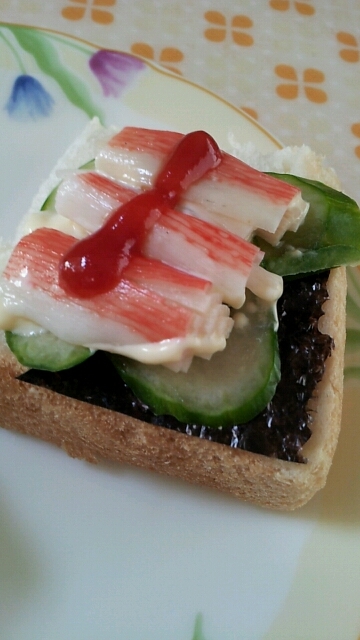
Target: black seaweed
[(280, 430)]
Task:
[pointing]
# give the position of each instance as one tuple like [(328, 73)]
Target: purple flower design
[(29, 99), (114, 70)]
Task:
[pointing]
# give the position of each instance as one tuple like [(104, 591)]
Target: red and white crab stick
[(233, 189), (140, 317), (180, 240)]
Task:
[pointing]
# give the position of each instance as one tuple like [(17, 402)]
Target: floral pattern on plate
[(31, 99)]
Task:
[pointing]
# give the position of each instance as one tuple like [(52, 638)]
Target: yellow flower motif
[(167, 57), (301, 7), (290, 90), (78, 9), (351, 52), (236, 27), (356, 131)]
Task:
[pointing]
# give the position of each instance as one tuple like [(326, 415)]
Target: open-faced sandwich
[(175, 307)]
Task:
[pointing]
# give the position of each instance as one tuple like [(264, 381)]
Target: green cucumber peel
[(328, 237), (49, 203), (232, 387), (45, 351)]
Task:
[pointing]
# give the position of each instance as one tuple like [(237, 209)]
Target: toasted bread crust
[(89, 432)]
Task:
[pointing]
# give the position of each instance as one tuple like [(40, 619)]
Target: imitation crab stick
[(204, 250), (88, 197), (92, 194), (180, 240), (232, 189), (193, 292), (130, 319), (233, 225)]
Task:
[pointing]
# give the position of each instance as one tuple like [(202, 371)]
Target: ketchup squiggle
[(94, 265)]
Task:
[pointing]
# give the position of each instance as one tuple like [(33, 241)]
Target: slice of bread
[(92, 433)]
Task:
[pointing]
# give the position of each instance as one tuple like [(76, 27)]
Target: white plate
[(112, 552)]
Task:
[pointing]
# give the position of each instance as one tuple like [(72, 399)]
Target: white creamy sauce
[(53, 220)]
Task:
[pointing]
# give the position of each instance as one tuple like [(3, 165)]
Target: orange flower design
[(78, 9), (237, 28), (250, 112), (356, 131), (167, 57), (351, 52), (304, 8), (290, 90)]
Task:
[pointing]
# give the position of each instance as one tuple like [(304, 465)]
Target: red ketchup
[(94, 265)]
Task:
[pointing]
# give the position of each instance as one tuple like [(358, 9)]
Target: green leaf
[(352, 309), (38, 44), (353, 277), (352, 372), (198, 634), (353, 338)]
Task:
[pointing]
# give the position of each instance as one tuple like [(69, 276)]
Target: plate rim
[(158, 69)]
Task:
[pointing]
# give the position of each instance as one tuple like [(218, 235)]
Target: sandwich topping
[(280, 430), (173, 262), (83, 272)]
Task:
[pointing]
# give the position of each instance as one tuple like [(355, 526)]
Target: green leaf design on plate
[(353, 339), (353, 294), (352, 372), (198, 634), (352, 309), (38, 44)]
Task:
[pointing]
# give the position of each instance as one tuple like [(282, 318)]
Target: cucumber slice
[(45, 351), (232, 387), (49, 203), (328, 237)]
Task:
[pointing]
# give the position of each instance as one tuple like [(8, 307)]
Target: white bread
[(92, 433)]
